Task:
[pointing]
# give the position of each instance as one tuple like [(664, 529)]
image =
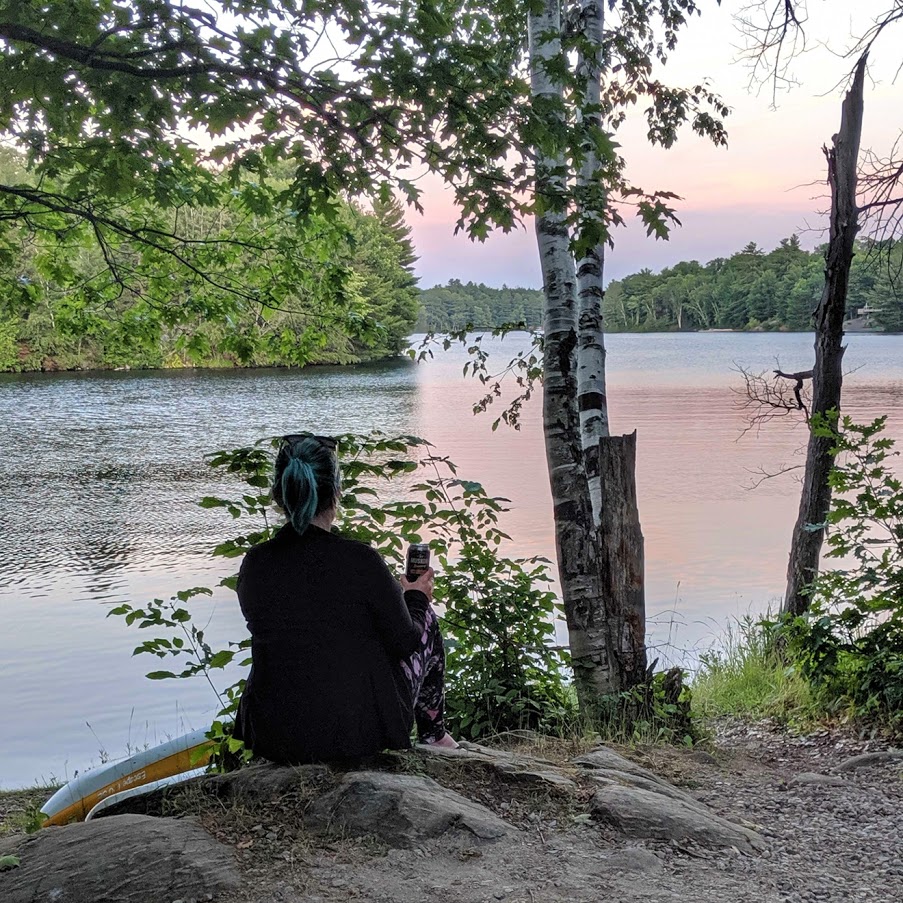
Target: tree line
[(753, 289), (451, 307)]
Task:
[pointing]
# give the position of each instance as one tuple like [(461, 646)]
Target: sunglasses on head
[(327, 441)]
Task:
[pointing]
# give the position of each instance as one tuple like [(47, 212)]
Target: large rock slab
[(124, 859), (402, 810), (644, 814), (605, 767), (606, 778)]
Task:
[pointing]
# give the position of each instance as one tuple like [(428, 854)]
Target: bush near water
[(842, 660)]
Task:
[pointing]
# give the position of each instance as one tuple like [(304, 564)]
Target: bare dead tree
[(827, 377)]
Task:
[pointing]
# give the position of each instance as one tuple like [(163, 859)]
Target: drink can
[(418, 560)]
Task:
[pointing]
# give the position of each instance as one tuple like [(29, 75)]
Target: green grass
[(746, 676)]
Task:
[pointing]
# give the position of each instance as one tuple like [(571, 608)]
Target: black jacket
[(329, 627)]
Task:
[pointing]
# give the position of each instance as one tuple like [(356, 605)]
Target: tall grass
[(746, 675)]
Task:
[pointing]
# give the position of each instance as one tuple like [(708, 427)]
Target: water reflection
[(100, 475)]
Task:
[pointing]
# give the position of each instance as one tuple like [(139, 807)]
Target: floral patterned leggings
[(425, 671)]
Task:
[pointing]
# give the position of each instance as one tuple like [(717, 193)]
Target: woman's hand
[(423, 584)]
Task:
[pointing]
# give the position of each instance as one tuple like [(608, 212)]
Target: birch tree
[(592, 654), (359, 100), (592, 401), (580, 191)]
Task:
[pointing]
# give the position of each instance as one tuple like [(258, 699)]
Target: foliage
[(132, 111), (747, 676), (753, 290), (354, 303), (9, 862), (503, 672), (850, 643), (525, 369), (448, 308)]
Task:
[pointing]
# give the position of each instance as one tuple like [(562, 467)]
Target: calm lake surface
[(100, 475)]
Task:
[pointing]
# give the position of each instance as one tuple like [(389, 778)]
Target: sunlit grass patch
[(746, 675)]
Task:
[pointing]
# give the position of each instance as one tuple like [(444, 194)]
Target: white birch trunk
[(592, 401), (575, 535)]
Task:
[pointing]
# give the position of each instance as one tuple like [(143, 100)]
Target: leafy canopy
[(124, 101)]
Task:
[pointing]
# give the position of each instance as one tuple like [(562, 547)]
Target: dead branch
[(764, 398), (797, 379), (763, 476), (774, 37)]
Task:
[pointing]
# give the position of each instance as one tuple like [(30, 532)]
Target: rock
[(810, 778), (402, 810), (608, 760), (643, 814), (657, 785), (634, 859), (501, 753), (475, 752), (607, 767), (123, 859), (866, 760)]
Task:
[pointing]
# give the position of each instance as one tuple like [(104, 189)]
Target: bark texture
[(827, 375), (621, 559), (592, 400), (591, 650)]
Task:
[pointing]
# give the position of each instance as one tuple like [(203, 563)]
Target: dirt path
[(836, 840)]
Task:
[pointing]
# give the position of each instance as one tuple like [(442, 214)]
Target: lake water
[(100, 475)]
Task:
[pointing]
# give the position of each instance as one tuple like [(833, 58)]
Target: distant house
[(863, 320)]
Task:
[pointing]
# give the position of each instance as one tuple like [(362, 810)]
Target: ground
[(829, 839)]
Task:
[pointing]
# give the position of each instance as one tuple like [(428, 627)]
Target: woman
[(345, 659)]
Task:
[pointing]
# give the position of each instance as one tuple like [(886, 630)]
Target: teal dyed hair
[(306, 481)]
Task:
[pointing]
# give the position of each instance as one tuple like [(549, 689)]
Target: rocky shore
[(760, 815)]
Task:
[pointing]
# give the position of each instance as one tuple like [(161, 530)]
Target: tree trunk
[(592, 401), (827, 379), (591, 651), (621, 557)]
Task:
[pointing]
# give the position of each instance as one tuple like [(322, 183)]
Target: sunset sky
[(758, 189)]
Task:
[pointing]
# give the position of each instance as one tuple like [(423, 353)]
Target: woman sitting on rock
[(345, 659)]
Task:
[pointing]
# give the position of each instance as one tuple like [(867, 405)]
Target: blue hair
[(306, 481)]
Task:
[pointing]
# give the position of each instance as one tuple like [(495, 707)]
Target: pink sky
[(758, 189)]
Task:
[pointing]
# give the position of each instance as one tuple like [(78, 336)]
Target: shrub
[(503, 670), (850, 643)]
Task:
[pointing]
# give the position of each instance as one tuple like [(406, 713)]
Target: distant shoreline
[(402, 357)]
